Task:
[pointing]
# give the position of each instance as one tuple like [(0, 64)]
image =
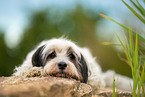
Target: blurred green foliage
[(78, 25)]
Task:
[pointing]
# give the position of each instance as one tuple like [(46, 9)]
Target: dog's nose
[(62, 65)]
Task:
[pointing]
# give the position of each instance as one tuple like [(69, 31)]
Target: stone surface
[(50, 87), (107, 92), (43, 87)]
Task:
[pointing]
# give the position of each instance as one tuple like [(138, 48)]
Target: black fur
[(37, 57), (83, 69)]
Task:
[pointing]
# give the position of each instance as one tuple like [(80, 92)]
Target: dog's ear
[(37, 57), (83, 69)]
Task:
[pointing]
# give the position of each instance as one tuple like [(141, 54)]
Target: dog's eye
[(71, 56), (51, 56)]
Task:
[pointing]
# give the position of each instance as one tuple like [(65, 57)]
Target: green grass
[(137, 67), (114, 89), (133, 51)]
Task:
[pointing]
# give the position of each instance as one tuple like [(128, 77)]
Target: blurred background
[(25, 23)]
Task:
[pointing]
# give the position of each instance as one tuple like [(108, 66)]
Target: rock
[(107, 92), (50, 87), (43, 87)]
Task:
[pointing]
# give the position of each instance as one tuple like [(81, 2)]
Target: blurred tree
[(6, 60), (39, 29)]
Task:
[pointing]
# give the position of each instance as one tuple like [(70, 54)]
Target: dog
[(63, 58)]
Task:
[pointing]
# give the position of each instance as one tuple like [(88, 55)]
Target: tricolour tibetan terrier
[(63, 58)]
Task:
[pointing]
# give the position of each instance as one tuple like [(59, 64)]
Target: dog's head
[(61, 58)]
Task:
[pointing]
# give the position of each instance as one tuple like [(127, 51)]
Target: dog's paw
[(35, 71)]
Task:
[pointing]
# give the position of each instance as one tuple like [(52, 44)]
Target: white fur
[(97, 79)]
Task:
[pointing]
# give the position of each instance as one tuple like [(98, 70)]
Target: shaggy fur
[(63, 58)]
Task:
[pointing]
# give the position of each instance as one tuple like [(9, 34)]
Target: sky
[(16, 11), (14, 14)]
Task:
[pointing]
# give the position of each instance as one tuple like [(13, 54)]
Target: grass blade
[(126, 28), (136, 50), (142, 80), (121, 42), (114, 21), (114, 94), (125, 51), (139, 8), (134, 12), (109, 43)]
